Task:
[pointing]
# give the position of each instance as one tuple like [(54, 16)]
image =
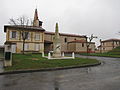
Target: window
[(103, 48), (25, 35), (26, 46), (37, 36), (113, 43), (37, 47), (82, 44), (103, 44), (13, 34), (117, 43), (65, 40)]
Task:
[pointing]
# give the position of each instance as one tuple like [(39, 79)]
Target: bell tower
[(36, 22)]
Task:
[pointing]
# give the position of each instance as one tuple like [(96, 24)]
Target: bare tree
[(24, 22), (89, 41)]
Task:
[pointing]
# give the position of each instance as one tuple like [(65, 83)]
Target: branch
[(22, 20)]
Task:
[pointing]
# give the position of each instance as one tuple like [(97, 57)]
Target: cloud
[(84, 17)]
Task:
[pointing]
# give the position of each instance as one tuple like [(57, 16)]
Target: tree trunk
[(23, 46)]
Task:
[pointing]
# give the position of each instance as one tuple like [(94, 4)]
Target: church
[(39, 40)]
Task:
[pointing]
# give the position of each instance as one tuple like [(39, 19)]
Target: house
[(39, 40), (109, 44), (34, 41)]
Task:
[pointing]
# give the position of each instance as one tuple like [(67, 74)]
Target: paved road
[(103, 77)]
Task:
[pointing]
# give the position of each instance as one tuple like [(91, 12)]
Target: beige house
[(33, 43), (38, 40), (108, 45), (80, 46)]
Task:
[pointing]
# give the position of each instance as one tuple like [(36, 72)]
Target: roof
[(99, 46), (23, 27), (47, 42), (77, 41), (81, 41), (108, 40), (65, 34), (9, 42)]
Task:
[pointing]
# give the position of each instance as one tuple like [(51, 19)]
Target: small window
[(13, 34), (26, 46), (37, 47), (37, 36), (103, 48), (103, 44), (117, 43), (65, 40), (25, 35), (82, 44)]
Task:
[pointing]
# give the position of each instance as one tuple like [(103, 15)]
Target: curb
[(48, 69)]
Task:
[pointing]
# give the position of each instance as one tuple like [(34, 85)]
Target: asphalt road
[(103, 77)]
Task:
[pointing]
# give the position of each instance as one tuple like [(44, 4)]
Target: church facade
[(39, 40)]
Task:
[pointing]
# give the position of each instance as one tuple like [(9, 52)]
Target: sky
[(83, 17)]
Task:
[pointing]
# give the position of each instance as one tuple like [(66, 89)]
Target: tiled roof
[(108, 40), (65, 34), (77, 41), (99, 46), (23, 27), (9, 42), (80, 41)]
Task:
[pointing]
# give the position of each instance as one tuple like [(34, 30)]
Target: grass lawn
[(103, 55), (35, 61), (113, 53)]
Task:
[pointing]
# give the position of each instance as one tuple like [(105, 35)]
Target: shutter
[(17, 35), (10, 34), (29, 35)]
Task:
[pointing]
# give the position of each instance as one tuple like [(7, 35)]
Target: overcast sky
[(84, 17)]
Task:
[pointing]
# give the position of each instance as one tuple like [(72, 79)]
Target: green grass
[(35, 61), (104, 55), (113, 53)]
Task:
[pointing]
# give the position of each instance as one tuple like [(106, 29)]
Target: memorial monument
[(56, 44), (56, 53)]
